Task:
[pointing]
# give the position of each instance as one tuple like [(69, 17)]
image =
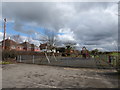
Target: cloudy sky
[(90, 24)]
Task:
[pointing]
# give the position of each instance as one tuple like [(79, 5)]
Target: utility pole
[(4, 33)]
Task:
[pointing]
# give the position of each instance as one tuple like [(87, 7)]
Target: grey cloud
[(90, 23), (84, 7), (44, 14), (20, 28)]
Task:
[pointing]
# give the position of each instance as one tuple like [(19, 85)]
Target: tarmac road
[(41, 76)]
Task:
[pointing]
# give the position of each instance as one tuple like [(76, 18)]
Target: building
[(19, 47), (47, 47), (9, 44), (35, 48), (12, 45), (43, 46), (60, 49), (26, 46)]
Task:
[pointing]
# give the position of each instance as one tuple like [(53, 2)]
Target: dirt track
[(40, 76)]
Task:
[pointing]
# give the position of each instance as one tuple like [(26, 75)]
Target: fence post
[(116, 62), (114, 59), (47, 58), (33, 59), (54, 57), (17, 58), (20, 58)]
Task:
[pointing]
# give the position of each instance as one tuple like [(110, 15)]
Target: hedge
[(8, 54)]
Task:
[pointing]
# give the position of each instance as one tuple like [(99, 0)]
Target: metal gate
[(46, 59)]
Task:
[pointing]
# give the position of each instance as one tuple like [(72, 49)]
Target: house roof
[(43, 45), (24, 43), (19, 45), (33, 45), (9, 40)]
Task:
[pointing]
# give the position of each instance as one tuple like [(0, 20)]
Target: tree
[(49, 37), (69, 46), (95, 51), (17, 38)]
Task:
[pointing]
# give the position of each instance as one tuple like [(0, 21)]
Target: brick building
[(9, 44), (47, 47), (19, 47), (26, 46), (34, 48), (43, 46)]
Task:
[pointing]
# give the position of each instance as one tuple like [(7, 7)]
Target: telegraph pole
[(4, 34)]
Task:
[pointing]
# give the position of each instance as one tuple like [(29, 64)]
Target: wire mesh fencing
[(109, 59), (57, 60), (103, 61)]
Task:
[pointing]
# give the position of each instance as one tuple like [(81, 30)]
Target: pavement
[(43, 76)]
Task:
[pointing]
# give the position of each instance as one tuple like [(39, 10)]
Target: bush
[(5, 54), (8, 54), (13, 54)]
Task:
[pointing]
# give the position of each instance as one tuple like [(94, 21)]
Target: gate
[(58, 60), (109, 60)]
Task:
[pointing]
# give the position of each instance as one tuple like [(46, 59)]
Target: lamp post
[(4, 33)]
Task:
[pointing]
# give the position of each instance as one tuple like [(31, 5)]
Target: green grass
[(115, 54), (5, 62)]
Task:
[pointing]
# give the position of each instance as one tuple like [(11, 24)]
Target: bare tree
[(48, 37), (17, 38), (51, 39), (29, 39)]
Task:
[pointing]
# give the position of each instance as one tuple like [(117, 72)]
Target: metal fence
[(111, 60), (38, 59), (58, 60)]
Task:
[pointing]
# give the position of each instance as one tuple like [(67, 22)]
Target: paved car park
[(42, 76)]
